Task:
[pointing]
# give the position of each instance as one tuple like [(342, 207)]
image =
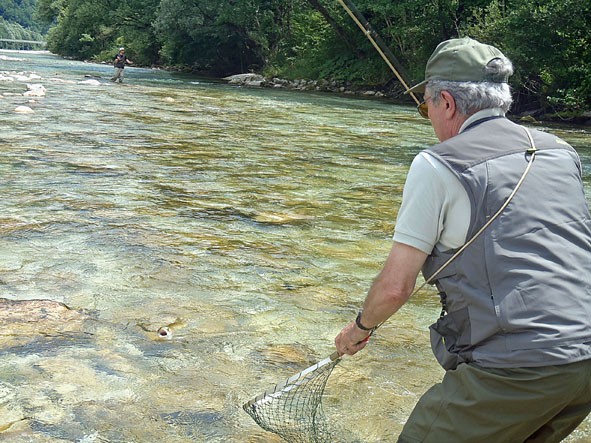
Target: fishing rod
[(378, 43)]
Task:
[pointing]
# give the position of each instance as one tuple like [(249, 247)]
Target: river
[(251, 221)]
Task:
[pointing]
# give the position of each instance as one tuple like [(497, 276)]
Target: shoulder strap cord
[(532, 152)]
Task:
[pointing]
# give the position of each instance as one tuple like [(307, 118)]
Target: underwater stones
[(21, 77), (26, 321), (280, 218), (293, 354), (11, 76), (12, 59), (8, 425), (23, 110), (35, 90)]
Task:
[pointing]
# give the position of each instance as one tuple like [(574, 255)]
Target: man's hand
[(351, 339)]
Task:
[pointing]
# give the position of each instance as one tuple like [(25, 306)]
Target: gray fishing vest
[(520, 295)]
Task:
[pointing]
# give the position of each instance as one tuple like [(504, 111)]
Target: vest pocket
[(450, 335)]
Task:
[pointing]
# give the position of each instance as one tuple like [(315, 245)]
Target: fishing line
[(377, 43)]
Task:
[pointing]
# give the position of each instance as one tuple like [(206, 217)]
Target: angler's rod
[(378, 43)]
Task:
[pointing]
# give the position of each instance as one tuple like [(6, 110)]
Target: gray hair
[(472, 97)]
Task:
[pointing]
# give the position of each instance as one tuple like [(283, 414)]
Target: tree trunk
[(340, 31)]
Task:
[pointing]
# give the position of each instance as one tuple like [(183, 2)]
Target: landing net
[(293, 409)]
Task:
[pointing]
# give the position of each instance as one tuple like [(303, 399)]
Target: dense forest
[(548, 40), (17, 22)]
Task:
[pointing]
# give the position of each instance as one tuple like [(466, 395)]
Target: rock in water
[(35, 90), (26, 321), (23, 110)]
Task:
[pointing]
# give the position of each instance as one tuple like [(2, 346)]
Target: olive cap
[(460, 60)]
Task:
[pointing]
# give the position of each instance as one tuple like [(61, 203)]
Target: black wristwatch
[(360, 325)]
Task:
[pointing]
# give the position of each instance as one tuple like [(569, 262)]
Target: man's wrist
[(360, 325)]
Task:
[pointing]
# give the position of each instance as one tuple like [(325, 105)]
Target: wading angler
[(119, 64), (496, 218)]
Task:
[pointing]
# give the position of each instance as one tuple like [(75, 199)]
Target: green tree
[(48, 11), (21, 12), (84, 28), (550, 44), (222, 37), (133, 26), (95, 28), (14, 31)]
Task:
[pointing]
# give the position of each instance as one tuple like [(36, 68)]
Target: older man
[(496, 217)]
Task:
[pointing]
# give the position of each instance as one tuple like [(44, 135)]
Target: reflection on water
[(250, 221)]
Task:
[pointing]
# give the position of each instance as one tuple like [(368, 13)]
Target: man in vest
[(119, 64), (496, 217)]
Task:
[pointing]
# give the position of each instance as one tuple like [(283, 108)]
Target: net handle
[(334, 356), (280, 386)]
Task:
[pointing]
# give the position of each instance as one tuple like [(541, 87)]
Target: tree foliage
[(550, 44), (14, 31), (20, 12), (548, 40)]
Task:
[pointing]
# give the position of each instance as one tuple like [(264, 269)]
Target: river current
[(250, 222)]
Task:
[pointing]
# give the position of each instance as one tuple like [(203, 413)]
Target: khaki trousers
[(118, 75), (481, 405)]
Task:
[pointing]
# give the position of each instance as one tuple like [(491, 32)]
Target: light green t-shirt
[(435, 210)]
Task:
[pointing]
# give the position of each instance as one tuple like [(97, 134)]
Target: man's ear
[(450, 104)]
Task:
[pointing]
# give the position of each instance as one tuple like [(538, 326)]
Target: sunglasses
[(423, 108)]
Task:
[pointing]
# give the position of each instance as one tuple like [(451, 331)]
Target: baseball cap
[(460, 60)]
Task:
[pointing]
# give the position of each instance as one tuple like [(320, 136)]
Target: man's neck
[(484, 113)]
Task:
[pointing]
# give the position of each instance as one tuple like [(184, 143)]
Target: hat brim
[(417, 88)]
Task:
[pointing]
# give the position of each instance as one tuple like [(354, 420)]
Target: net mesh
[(293, 409)]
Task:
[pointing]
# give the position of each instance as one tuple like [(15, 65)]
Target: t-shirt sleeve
[(419, 218)]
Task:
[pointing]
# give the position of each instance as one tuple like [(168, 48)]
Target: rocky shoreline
[(252, 80), (257, 80)]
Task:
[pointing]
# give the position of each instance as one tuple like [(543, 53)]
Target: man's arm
[(390, 290)]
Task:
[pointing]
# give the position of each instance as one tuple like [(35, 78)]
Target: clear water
[(253, 221)]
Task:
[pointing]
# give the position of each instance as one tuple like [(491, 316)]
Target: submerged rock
[(12, 59), (23, 110), (293, 355), (35, 90), (26, 321)]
